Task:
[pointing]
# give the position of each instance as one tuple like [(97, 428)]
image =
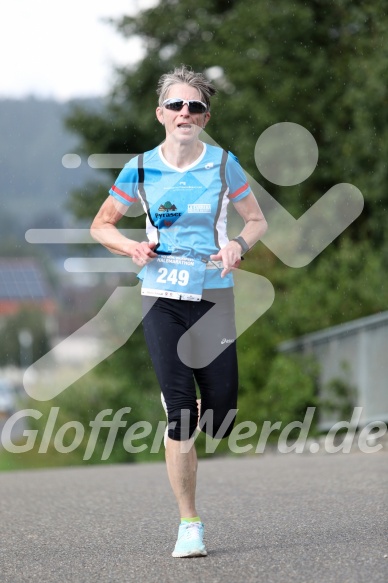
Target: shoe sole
[(196, 553)]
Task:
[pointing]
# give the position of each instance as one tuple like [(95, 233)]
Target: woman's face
[(182, 125)]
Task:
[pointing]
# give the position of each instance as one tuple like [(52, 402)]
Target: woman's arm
[(255, 227), (103, 230), (255, 224)]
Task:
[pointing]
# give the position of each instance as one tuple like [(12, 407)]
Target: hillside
[(34, 185)]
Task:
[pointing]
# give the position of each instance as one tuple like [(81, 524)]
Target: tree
[(319, 64), (28, 319)]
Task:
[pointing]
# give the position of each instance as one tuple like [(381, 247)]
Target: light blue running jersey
[(185, 207)]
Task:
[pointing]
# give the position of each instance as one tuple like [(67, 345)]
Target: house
[(23, 284)]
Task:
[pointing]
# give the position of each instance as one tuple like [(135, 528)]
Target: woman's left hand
[(230, 255)]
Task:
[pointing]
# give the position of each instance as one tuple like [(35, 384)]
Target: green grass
[(34, 460)]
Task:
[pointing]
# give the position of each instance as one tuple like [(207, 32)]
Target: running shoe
[(190, 540)]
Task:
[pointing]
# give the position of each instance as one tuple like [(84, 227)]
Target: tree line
[(319, 64)]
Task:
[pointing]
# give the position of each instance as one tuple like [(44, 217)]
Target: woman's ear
[(159, 115), (206, 118)]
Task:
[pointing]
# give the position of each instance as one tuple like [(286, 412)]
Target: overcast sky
[(60, 48)]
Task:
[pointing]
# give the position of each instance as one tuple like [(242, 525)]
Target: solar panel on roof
[(21, 282)]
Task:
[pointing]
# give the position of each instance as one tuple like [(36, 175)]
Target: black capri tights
[(195, 341)]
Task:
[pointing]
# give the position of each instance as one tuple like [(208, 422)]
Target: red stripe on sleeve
[(123, 194), (239, 191)]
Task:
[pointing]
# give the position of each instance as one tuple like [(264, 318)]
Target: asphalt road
[(272, 518)]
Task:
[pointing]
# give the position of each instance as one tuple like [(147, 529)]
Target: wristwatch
[(244, 245)]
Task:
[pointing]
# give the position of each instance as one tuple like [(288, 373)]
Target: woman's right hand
[(142, 253)]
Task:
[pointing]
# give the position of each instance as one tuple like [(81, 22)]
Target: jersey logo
[(167, 207), (199, 208), (168, 212)]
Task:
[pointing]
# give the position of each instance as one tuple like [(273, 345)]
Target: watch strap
[(244, 245)]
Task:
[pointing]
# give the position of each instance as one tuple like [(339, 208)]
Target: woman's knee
[(182, 423), (217, 425)]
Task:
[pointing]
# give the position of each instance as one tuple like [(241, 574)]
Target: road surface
[(275, 518)]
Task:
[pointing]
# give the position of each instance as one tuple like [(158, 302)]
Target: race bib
[(178, 278)]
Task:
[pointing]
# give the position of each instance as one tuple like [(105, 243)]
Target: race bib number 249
[(179, 278)]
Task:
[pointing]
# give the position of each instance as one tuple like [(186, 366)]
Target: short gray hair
[(185, 75)]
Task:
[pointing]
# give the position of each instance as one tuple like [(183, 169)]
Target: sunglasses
[(176, 104)]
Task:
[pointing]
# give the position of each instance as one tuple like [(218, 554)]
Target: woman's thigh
[(180, 337)]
